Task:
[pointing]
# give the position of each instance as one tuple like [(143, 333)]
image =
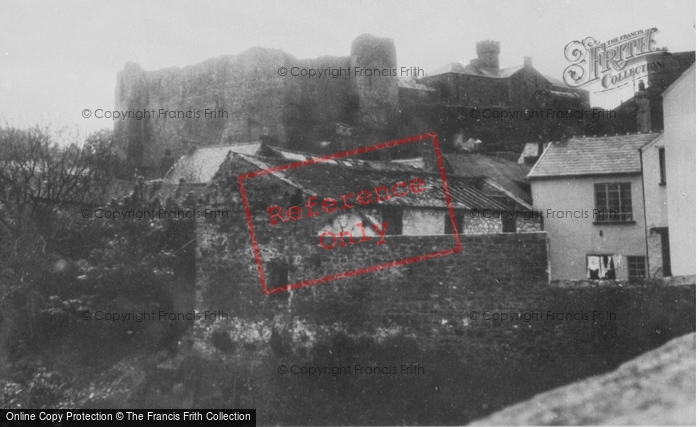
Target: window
[(613, 202), (448, 224), (394, 219), (278, 273), (636, 265), (509, 225), (662, 165)]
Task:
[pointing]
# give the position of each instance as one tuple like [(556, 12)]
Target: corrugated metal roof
[(335, 179), (592, 156), (506, 173)]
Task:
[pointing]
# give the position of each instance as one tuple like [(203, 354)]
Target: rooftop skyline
[(58, 58)]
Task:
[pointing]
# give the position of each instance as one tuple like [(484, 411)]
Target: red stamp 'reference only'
[(315, 206)]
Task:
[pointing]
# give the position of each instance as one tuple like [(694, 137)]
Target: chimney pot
[(527, 61)]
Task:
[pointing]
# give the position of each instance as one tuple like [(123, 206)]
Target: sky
[(60, 57)]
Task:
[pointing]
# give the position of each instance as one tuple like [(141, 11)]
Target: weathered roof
[(334, 178), (200, 166), (509, 175), (269, 151), (599, 155)]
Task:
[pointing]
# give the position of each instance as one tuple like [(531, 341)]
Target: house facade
[(679, 141), (590, 193), (653, 157)]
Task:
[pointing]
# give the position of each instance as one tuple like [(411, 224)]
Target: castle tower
[(487, 52), (373, 62)]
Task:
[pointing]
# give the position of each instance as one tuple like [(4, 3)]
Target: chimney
[(527, 61), (641, 101), (487, 52)]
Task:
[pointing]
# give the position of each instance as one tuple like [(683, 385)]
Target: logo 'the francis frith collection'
[(614, 63)]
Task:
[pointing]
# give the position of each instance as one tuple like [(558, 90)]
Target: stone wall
[(484, 323), (258, 101)]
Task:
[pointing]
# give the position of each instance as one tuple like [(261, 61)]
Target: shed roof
[(334, 178), (507, 174)]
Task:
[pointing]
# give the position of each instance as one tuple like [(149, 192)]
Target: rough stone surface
[(259, 101), (657, 388)]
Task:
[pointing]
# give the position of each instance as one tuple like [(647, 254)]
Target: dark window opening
[(297, 199), (602, 267), (613, 202), (278, 273), (448, 224), (394, 219), (636, 265), (662, 165), (665, 251), (509, 225)]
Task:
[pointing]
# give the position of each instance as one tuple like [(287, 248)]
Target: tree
[(38, 177)]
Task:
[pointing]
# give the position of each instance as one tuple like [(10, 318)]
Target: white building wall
[(655, 202), (572, 238), (419, 222), (679, 136)]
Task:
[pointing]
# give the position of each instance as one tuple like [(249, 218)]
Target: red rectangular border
[(340, 155)]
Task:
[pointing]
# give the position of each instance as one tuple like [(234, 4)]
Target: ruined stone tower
[(372, 58)]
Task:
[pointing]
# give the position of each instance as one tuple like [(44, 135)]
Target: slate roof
[(600, 155), (459, 68), (200, 166), (507, 174), (337, 177)]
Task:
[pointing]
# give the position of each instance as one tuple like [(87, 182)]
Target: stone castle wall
[(258, 101)]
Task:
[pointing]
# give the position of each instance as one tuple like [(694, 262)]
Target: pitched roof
[(556, 82), (200, 166), (509, 175), (459, 68), (334, 178), (296, 156), (599, 155)]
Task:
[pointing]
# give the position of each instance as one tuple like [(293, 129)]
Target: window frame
[(604, 214), (636, 259)]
